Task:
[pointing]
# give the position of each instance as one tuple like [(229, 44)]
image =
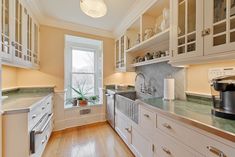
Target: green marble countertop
[(198, 114), (18, 102)]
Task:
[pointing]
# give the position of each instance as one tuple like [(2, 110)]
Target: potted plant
[(82, 99)]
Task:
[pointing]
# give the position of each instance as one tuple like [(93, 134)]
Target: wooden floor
[(98, 140)]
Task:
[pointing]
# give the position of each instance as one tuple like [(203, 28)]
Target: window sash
[(89, 50), (98, 65), (95, 73), (93, 84)]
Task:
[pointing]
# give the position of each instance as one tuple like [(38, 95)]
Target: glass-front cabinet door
[(219, 26), (122, 53), (120, 47), (28, 55), (17, 43), (117, 48), (35, 44), (187, 26), (5, 30)]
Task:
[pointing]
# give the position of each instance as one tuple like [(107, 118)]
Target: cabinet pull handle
[(146, 115), (167, 151), (153, 148), (206, 32), (13, 44), (43, 141), (34, 116), (216, 151), (128, 130), (166, 126)]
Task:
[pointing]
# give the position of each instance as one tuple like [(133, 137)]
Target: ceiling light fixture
[(93, 8)]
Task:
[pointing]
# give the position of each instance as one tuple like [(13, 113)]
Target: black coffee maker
[(224, 100)]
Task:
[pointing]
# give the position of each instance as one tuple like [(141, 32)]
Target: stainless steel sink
[(130, 95), (125, 103)]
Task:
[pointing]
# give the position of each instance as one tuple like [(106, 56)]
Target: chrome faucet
[(142, 87)]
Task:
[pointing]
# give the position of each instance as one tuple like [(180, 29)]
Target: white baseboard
[(78, 121)]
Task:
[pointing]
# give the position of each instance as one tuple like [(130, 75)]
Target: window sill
[(71, 106)]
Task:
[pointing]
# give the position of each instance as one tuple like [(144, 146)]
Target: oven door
[(40, 133)]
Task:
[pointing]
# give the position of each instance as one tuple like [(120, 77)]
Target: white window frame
[(68, 63)]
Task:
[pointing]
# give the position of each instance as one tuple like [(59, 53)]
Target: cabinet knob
[(13, 44), (146, 115), (206, 32), (34, 116), (216, 151), (166, 126), (167, 151), (128, 130)]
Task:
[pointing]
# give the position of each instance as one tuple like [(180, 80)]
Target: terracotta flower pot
[(83, 102)]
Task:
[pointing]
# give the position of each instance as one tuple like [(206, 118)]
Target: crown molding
[(37, 11), (133, 14), (76, 27)]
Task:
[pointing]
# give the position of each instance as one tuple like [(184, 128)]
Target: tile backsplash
[(154, 77)]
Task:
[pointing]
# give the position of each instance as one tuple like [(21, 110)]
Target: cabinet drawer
[(41, 141), (199, 142), (123, 127), (167, 146), (141, 145), (147, 121), (39, 110)]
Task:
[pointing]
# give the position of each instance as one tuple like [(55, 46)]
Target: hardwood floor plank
[(89, 141)]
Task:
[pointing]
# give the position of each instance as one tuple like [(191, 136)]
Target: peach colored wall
[(9, 76), (52, 60), (197, 76)]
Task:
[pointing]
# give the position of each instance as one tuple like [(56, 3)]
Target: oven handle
[(46, 124)]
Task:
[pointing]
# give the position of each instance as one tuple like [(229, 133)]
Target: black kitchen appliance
[(224, 100)]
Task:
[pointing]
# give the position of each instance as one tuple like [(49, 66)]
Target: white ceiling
[(69, 11)]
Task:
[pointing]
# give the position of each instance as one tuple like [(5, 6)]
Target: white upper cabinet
[(120, 56), (35, 44), (187, 24), (5, 30), (17, 43), (19, 35), (219, 26), (28, 55)]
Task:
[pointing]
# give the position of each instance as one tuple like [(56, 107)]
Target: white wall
[(66, 118)]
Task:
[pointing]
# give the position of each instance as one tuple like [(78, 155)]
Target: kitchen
[(137, 78)]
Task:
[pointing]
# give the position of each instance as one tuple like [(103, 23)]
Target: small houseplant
[(82, 99)]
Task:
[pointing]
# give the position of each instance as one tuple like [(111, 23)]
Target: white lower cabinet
[(166, 146), (133, 136), (158, 135), (142, 146), (123, 127), (26, 133)]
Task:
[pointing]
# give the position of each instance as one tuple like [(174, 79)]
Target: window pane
[(83, 61), (85, 82)]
